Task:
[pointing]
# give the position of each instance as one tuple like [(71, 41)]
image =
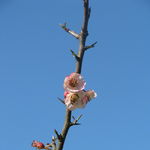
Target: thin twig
[(90, 46), (73, 33)]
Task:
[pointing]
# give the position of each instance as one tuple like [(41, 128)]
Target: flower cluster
[(75, 96)]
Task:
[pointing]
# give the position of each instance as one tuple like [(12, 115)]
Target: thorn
[(75, 55), (73, 118), (57, 134), (74, 124), (79, 117), (75, 121), (90, 46), (62, 101), (77, 124)]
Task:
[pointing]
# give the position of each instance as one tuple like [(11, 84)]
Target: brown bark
[(82, 40)]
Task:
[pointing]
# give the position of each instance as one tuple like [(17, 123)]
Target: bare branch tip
[(63, 25)]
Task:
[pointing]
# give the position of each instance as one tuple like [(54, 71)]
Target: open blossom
[(74, 82), (38, 145), (78, 99), (74, 100)]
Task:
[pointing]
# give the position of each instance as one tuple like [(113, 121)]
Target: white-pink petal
[(74, 100), (74, 83), (91, 94)]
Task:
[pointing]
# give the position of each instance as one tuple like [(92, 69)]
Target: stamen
[(74, 98), (73, 82)]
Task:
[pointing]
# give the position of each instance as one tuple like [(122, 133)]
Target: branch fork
[(59, 136), (75, 122)]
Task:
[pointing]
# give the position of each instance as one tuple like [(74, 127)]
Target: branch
[(82, 38), (64, 26), (65, 129), (83, 35), (79, 57)]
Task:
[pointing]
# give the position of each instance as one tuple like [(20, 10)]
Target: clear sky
[(35, 58)]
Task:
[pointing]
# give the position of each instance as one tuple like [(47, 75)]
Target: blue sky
[(35, 58)]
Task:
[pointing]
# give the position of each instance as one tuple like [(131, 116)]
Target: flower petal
[(91, 94), (74, 100), (74, 82)]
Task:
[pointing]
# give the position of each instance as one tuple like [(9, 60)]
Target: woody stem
[(82, 41)]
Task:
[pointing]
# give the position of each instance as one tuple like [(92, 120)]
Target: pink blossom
[(38, 145), (74, 83), (91, 94), (75, 100), (78, 99)]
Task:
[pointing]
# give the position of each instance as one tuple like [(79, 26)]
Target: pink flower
[(75, 100), (38, 145), (78, 99), (91, 94), (74, 83)]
